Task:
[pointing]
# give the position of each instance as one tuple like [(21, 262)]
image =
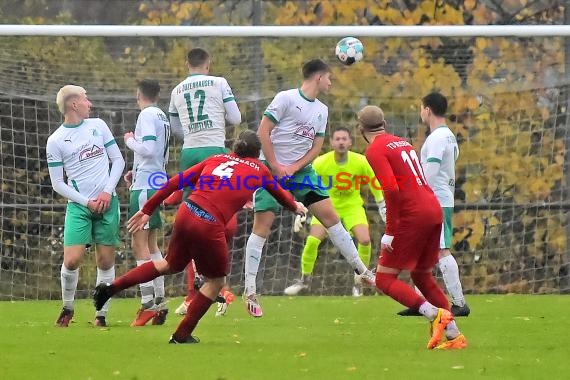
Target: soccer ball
[(349, 50)]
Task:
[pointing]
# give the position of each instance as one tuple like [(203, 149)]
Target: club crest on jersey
[(92, 152), (305, 131), (95, 132)]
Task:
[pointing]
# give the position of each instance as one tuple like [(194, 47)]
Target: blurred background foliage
[(508, 105)]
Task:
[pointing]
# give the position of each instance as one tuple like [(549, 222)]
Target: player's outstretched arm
[(137, 222), (177, 182)]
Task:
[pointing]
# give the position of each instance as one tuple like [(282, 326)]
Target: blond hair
[(371, 119), (67, 92)]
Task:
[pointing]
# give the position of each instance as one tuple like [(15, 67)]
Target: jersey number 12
[(201, 95)]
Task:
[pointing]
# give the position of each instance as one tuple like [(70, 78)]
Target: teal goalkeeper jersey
[(343, 190)]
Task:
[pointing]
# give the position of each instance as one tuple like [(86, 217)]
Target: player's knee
[(364, 240), (384, 281), (71, 263), (327, 216), (262, 223), (166, 267)]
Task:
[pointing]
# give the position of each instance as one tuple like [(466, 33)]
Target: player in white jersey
[(292, 132), (438, 156), (82, 148), (150, 144), (200, 108)]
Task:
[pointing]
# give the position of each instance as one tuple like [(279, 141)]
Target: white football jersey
[(152, 124), (199, 103), (298, 120), (441, 147), (81, 150)]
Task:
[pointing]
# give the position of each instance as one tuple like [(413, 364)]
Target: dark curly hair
[(247, 145)]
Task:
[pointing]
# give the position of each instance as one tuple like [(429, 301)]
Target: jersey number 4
[(225, 170), (414, 164)]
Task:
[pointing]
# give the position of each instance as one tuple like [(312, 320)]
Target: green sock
[(309, 255), (364, 251)]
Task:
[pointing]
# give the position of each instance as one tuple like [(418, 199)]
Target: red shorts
[(199, 238), (231, 229), (416, 247)]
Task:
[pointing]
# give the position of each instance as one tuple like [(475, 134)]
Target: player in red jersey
[(413, 228), (221, 185)]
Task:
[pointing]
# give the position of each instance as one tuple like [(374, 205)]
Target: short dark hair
[(150, 88), (341, 129), (314, 66), (197, 57), (247, 144), (436, 102)]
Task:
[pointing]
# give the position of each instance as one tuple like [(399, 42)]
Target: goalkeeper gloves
[(382, 210), (299, 221)]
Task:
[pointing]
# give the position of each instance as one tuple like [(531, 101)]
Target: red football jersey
[(397, 167), (222, 184)]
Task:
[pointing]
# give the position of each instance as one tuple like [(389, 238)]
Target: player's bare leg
[(69, 277), (340, 237), (105, 259), (262, 222), (308, 258)]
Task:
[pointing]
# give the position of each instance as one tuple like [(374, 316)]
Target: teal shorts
[(83, 227), (192, 156), (137, 200), (447, 228), (302, 183)]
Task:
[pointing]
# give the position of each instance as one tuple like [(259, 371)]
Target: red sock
[(196, 310), (190, 277), (427, 284), (397, 289), (144, 273)]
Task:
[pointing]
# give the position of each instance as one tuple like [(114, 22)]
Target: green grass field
[(510, 337)]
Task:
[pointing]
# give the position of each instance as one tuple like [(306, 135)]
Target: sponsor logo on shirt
[(91, 152), (305, 131)]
